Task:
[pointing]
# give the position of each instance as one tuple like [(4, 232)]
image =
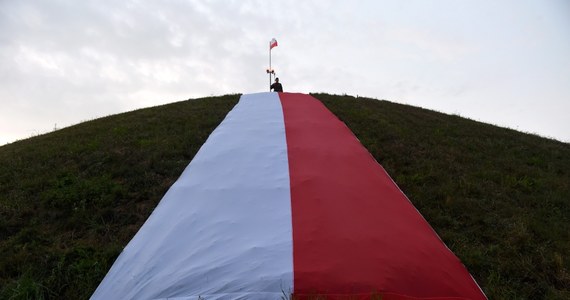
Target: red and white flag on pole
[(272, 44)]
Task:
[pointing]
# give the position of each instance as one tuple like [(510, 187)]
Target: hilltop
[(70, 200)]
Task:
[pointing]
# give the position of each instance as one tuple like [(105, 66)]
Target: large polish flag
[(281, 202)]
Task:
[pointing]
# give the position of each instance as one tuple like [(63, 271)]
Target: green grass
[(70, 200), (499, 199)]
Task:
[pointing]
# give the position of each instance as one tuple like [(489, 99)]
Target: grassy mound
[(499, 199), (70, 200)]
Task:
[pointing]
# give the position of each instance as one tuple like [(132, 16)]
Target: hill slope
[(500, 199), (70, 200)]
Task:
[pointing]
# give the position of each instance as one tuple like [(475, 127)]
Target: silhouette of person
[(276, 87)]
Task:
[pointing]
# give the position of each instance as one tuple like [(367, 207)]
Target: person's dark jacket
[(277, 87)]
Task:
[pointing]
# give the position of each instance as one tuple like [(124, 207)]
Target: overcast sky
[(505, 62)]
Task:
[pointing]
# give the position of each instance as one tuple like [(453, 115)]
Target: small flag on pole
[(272, 44)]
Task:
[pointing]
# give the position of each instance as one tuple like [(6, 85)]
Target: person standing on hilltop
[(276, 87)]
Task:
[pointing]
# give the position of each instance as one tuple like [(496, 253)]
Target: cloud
[(67, 61)]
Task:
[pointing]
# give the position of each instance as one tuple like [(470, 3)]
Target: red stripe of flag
[(354, 231)]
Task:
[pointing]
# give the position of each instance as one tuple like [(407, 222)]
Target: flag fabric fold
[(272, 43), (283, 199)]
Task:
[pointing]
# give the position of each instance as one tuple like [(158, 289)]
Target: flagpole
[(272, 43), (270, 66)]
